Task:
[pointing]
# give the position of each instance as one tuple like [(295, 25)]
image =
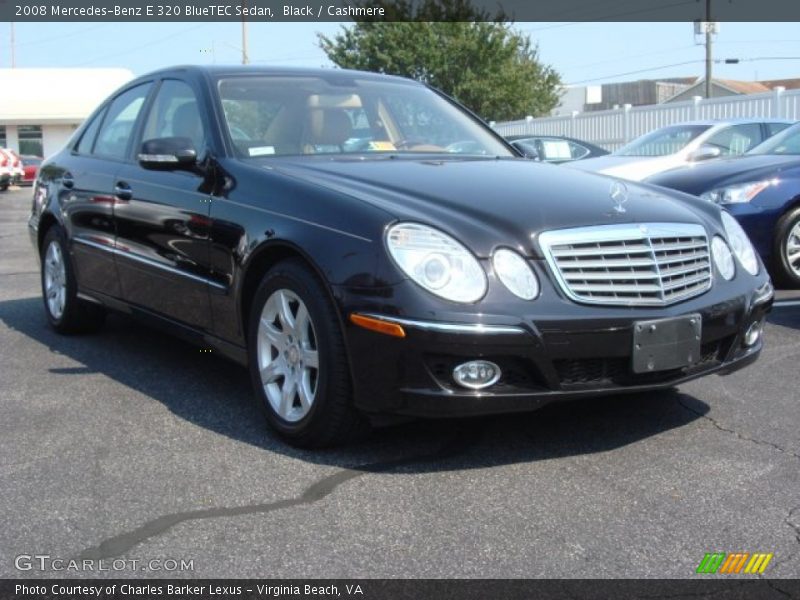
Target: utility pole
[(709, 60), (245, 58), (13, 49)]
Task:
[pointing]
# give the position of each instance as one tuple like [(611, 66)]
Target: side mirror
[(166, 154), (527, 150), (705, 152)]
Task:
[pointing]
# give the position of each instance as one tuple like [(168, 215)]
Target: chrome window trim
[(147, 261), (621, 233), (472, 328)]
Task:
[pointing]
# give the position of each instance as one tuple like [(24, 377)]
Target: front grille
[(637, 264)]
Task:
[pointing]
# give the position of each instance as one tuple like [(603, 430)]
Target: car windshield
[(287, 115), (664, 141), (787, 142)]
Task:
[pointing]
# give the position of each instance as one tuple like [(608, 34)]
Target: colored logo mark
[(734, 563)]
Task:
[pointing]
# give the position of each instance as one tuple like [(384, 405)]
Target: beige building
[(41, 108)]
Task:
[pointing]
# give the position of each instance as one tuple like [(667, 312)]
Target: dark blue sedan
[(762, 190)]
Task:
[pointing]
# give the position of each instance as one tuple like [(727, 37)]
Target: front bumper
[(557, 355)]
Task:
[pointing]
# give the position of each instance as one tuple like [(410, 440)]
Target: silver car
[(682, 144)]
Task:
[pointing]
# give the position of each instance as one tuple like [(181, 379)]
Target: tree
[(479, 60)]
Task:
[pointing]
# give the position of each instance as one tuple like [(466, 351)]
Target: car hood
[(700, 178), (633, 168), (492, 202)]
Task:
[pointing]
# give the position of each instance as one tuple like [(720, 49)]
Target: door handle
[(67, 181), (123, 191)]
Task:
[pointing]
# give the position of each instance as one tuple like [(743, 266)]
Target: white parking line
[(780, 303)]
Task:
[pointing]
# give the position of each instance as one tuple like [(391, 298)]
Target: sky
[(583, 53)]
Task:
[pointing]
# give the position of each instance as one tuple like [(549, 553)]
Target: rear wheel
[(65, 311), (298, 362), (787, 249)]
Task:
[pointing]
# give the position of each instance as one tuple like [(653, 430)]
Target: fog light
[(753, 334), (477, 374)]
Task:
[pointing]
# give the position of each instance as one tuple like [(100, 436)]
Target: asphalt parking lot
[(131, 444)]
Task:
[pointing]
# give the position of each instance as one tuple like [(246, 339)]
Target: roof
[(737, 121), (789, 84), (231, 70), (742, 87), (41, 96)]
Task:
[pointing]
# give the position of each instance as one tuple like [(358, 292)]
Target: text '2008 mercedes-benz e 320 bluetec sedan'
[(368, 247)]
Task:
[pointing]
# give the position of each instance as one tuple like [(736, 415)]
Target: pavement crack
[(739, 435), (774, 587), (796, 529), (121, 543)]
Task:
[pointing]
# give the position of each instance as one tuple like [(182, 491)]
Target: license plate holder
[(664, 344)]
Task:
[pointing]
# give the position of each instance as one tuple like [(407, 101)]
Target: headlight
[(737, 194), (437, 262), (740, 243), (723, 258), (515, 273)]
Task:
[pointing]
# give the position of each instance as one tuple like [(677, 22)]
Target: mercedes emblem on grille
[(619, 194)]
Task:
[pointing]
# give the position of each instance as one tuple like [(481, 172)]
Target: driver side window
[(176, 113), (736, 139)]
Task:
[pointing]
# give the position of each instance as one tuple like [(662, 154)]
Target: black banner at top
[(398, 10)]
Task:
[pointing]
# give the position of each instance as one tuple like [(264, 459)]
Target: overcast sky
[(581, 52)]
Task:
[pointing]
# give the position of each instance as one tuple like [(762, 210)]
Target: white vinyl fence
[(612, 129)]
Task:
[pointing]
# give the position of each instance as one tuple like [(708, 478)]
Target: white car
[(680, 145), (6, 170)]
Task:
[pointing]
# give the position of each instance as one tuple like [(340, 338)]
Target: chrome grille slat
[(605, 264), (650, 264), (605, 276)]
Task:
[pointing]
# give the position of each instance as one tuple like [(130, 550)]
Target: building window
[(2, 136), (30, 140)]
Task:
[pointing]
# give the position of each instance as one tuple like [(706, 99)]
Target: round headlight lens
[(437, 262), (740, 243), (723, 258), (515, 273)]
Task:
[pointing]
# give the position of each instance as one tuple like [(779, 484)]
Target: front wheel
[(298, 362), (787, 248)]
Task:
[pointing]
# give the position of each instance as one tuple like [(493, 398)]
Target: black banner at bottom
[(391, 589)]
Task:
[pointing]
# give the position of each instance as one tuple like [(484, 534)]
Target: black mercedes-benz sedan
[(368, 247)]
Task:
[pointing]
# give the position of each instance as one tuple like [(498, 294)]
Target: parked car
[(555, 149), (30, 167), (5, 172), (762, 190), (404, 279), (10, 168), (17, 170), (680, 145)]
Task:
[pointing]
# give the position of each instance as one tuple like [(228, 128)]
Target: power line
[(56, 38), (139, 47), (627, 57), (680, 64)]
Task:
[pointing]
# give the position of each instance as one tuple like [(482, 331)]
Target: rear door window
[(115, 135)]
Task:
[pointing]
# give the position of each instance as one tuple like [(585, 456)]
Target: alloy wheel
[(288, 356), (793, 249), (55, 280)]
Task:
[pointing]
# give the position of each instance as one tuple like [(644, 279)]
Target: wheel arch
[(46, 221), (263, 259)]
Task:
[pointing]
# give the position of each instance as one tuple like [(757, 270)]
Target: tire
[(298, 363), (65, 311), (787, 236)]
